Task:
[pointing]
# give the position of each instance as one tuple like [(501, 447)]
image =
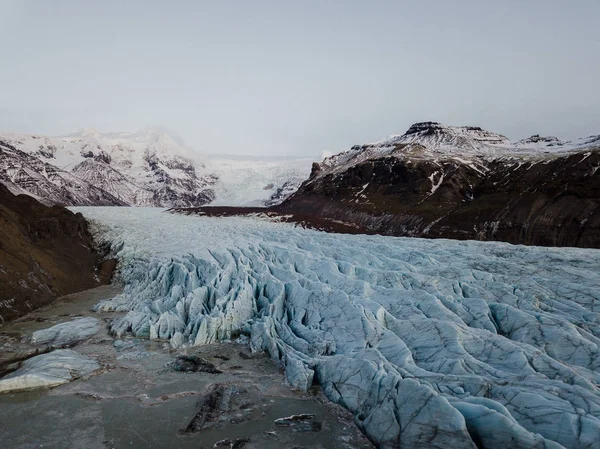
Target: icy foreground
[(68, 333), (430, 343), (49, 370)]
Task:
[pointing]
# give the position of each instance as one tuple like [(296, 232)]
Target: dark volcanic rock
[(219, 400), (192, 363), (45, 252), (552, 202)]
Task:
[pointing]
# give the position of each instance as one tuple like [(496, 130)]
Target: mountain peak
[(536, 138), (436, 129), (424, 128)]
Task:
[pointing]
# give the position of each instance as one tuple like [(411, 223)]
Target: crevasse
[(430, 343)]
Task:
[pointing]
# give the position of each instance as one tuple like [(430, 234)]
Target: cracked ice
[(429, 343)]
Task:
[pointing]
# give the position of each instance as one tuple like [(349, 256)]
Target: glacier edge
[(428, 343)]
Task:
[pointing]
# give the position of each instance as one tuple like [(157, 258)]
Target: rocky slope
[(148, 168), (23, 173), (462, 183), (45, 252)]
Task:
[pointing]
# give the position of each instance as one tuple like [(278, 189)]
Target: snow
[(436, 184), (24, 173), (429, 343), (252, 182), (48, 370), (469, 145), (154, 167), (146, 161)]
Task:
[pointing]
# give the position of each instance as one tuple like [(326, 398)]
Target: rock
[(25, 173), (49, 370), (461, 183), (239, 443), (68, 333), (187, 363), (302, 423), (221, 402), (210, 409), (232, 444), (45, 252), (244, 356), (106, 270)]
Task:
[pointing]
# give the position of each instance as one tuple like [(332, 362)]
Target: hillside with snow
[(23, 173), (461, 182), (151, 168), (469, 144)]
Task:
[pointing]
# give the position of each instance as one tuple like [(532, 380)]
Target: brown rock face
[(550, 202), (45, 252)]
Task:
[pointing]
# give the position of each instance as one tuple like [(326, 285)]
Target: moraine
[(429, 343)]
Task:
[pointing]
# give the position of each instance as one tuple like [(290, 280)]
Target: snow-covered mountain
[(436, 142), (461, 182), (23, 173), (151, 167)]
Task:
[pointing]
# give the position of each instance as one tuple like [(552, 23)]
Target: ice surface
[(252, 182), (68, 333), (430, 343), (48, 370)]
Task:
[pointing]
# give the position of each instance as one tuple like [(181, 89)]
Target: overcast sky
[(299, 77)]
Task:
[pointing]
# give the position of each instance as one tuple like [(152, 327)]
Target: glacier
[(429, 343)]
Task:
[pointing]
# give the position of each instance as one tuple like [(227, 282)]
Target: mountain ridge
[(149, 167), (460, 183), (434, 141)]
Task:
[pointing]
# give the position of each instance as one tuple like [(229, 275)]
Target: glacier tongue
[(430, 343)]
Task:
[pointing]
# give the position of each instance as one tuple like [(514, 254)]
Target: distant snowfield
[(252, 182), (430, 343)]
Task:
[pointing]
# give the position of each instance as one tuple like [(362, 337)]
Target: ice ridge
[(430, 343)]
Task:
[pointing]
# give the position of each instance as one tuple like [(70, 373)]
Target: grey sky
[(298, 78)]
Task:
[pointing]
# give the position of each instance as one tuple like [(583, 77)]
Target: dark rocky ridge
[(553, 202), (45, 252), (545, 202)]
